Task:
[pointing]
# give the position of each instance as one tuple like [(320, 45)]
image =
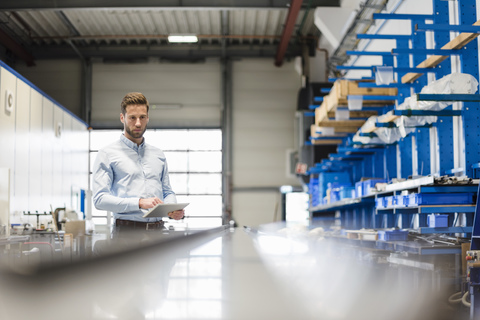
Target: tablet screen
[(162, 209)]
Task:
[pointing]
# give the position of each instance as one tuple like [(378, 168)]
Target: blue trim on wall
[(18, 75)]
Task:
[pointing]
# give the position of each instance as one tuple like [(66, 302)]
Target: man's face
[(135, 121)]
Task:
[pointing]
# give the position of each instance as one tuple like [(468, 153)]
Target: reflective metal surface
[(271, 272)]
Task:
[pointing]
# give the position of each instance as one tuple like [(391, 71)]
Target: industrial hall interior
[(239, 159)]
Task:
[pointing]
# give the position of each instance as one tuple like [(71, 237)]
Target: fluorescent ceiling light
[(182, 38), (158, 106)]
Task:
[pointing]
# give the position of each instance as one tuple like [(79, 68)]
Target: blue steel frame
[(469, 64), (382, 161), (422, 135), (444, 126)]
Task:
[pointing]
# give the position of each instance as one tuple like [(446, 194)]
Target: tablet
[(162, 209)]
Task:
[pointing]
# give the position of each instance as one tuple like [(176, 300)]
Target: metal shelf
[(345, 204), (426, 230), (429, 209)]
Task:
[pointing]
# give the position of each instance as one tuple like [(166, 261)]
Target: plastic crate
[(419, 199), (358, 189), (369, 184), (314, 192), (400, 201), (437, 220), (347, 192), (381, 203), (390, 202), (334, 195), (392, 235)]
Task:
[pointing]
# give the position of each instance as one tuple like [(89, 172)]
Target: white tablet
[(162, 209)]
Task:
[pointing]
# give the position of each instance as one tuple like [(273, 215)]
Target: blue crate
[(347, 192), (358, 189), (334, 195), (437, 220), (419, 199), (331, 180), (392, 235), (313, 190), (381, 203), (390, 202), (369, 184), (400, 201)]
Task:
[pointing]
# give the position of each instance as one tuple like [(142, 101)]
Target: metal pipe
[(293, 11), (165, 36)]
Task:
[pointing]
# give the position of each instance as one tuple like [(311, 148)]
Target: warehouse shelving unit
[(410, 61)]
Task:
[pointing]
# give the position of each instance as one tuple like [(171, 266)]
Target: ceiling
[(137, 30)]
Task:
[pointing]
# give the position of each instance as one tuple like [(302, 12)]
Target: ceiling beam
[(293, 11), (130, 52), (13, 5)]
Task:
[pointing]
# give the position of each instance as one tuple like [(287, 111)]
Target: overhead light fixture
[(163, 106), (182, 38)]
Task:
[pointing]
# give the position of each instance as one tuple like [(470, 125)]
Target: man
[(129, 175)]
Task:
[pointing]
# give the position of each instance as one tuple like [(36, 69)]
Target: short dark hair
[(133, 98)]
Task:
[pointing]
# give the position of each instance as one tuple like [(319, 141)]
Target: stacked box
[(381, 203), (359, 189), (392, 235), (313, 191), (400, 201), (437, 220), (347, 192), (419, 199), (369, 184), (390, 202)]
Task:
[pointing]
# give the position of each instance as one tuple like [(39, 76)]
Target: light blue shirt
[(124, 172)]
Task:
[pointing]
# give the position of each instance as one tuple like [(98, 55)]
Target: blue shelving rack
[(383, 160)]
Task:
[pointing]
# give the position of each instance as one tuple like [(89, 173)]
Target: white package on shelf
[(455, 83), (389, 135), (406, 124), (369, 124)]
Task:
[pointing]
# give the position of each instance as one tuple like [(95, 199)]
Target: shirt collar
[(132, 144)]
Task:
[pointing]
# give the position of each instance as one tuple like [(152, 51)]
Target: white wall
[(264, 105), (196, 86), (43, 166)]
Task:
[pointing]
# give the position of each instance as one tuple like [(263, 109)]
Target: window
[(194, 159)]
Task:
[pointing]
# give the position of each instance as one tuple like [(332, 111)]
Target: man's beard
[(135, 135)]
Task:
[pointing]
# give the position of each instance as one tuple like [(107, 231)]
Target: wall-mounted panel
[(8, 84), (38, 140), (48, 142), (35, 154), (22, 147), (66, 139), (57, 173)]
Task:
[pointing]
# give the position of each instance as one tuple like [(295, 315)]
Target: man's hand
[(149, 202), (177, 215)]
